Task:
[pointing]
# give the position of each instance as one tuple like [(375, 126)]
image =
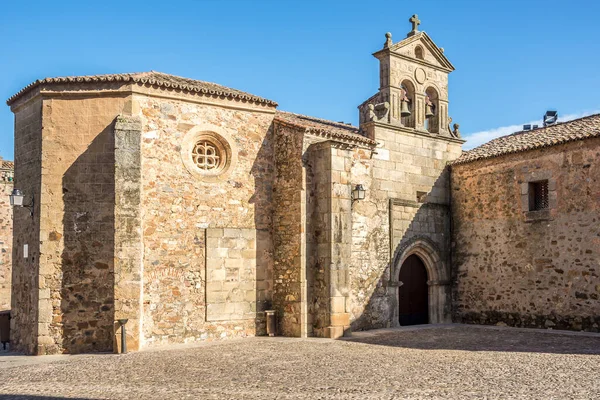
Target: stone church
[(190, 209)]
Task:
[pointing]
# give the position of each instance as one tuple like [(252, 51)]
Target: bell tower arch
[(410, 72)]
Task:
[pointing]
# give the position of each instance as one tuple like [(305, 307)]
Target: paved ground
[(451, 362)]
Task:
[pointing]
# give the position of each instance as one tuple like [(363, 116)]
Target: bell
[(404, 110), (429, 110)]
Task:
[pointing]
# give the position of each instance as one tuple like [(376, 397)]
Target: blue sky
[(513, 59)]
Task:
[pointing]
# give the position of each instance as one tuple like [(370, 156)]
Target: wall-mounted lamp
[(358, 193), (17, 200)]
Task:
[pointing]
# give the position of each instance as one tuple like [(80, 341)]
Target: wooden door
[(413, 294)]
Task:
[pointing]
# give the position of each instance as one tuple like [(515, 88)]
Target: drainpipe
[(451, 247)]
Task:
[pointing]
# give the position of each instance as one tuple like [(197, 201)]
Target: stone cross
[(414, 20)]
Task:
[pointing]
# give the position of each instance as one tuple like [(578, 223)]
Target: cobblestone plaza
[(443, 361)]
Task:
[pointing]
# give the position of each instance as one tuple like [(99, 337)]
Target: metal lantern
[(16, 198), (358, 193)]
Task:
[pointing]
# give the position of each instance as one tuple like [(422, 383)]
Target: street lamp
[(17, 200), (358, 193)]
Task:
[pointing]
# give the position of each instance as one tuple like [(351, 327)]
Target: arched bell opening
[(413, 292), (407, 102), (432, 119)]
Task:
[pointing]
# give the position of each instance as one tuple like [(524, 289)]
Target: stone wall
[(179, 204), (289, 269), (406, 202), (235, 287), (6, 238), (25, 282), (128, 273), (330, 232), (529, 269), (77, 227)]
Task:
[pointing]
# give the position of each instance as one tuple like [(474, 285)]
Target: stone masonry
[(528, 268), (189, 209), (6, 227)]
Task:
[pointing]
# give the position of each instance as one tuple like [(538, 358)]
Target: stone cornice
[(152, 79), (445, 66), (213, 100), (422, 62), (128, 90), (414, 204), (413, 131), (347, 139)]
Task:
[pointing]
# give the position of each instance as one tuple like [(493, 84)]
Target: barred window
[(538, 195), (206, 155)]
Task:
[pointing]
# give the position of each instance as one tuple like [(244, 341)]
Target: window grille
[(538, 196), (206, 155)]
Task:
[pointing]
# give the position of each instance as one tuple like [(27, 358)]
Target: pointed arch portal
[(420, 284), (413, 296)]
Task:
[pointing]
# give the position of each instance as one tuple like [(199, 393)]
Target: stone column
[(443, 117), (419, 111), (334, 237), (288, 222), (438, 302), (128, 230)]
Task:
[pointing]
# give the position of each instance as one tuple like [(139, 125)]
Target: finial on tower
[(388, 40), (414, 20)]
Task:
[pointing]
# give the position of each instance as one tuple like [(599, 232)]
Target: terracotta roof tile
[(325, 127), (153, 78), (8, 165), (563, 132)]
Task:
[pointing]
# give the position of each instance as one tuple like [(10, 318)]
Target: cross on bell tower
[(414, 20)]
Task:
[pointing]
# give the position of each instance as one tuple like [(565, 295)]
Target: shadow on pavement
[(481, 339), (32, 397)]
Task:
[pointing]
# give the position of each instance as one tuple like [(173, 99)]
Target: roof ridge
[(538, 129), (323, 127), (336, 123), (587, 126), (160, 79)]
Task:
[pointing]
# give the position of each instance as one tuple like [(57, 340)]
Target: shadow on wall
[(476, 338), (87, 292), (263, 170), (421, 227)]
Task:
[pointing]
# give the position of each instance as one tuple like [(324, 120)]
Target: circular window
[(206, 153), (207, 156)]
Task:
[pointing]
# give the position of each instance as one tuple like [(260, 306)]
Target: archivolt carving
[(430, 254)]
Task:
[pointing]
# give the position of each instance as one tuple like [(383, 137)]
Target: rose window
[(206, 156)]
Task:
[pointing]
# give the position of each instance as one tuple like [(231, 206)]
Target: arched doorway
[(413, 296)]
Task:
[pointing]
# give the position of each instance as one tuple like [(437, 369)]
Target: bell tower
[(413, 86), (409, 174)]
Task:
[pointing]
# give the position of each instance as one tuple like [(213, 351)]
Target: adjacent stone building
[(6, 237), (189, 209), (526, 229)]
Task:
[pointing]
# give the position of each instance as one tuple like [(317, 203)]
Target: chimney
[(550, 118), (527, 127)]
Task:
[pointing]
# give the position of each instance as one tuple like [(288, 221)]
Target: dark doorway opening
[(413, 297)]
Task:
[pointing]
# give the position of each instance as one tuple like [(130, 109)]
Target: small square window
[(538, 195)]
